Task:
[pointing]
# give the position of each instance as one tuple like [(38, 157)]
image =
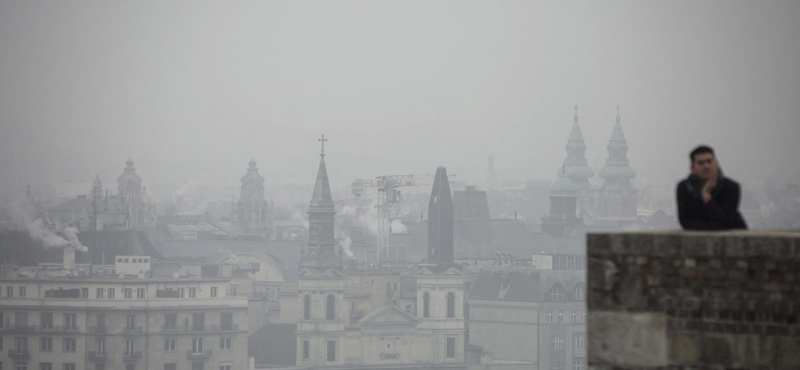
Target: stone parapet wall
[(681, 300)]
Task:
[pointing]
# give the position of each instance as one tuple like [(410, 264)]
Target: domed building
[(617, 196), (563, 207)]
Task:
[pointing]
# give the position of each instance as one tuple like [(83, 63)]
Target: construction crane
[(388, 194)]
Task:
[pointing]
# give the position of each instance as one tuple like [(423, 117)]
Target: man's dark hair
[(700, 150)]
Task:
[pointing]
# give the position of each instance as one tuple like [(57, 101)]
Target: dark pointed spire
[(440, 220), (321, 213), (322, 189)]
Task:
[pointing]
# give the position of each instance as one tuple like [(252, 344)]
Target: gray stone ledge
[(761, 243)]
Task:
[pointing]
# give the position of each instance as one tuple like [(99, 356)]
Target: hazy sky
[(193, 90)]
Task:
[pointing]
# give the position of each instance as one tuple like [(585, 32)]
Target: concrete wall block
[(684, 348), (627, 339)]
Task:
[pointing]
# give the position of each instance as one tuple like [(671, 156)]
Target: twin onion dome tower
[(572, 197)]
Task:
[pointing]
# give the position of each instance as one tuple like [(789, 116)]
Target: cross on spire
[(617, 113), (322, 140), (576, 113)]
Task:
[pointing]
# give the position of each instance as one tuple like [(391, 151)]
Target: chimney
[(69, 258)]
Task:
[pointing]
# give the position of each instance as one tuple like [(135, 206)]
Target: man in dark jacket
[(707, 200)]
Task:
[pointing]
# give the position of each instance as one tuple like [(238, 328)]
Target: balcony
[(98, 330), (199, 328), (19, 354), (18, 328), (97, 356), (202, 355), (48, 328), (132, 356), (133, 330), (579, 353), (59, 329)]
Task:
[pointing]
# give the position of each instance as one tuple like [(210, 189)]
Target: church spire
[(440, 220), (617, 173), (322, 189), (321, 252), (576, 166)]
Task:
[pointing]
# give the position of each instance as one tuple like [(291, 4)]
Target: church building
[(389, 337)]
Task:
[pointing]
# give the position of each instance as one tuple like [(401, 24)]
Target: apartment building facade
[(127, 322)]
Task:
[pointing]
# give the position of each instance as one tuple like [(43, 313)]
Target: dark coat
[(721, 213)]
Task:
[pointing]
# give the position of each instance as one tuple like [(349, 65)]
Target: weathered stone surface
[(700, 245), (598, 244), (716, 349), (667, 245), (627, 339), (639, 244), (684, 348), (732, 300), (789, 353)]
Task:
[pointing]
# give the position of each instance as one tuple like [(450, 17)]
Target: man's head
[(704, 163)]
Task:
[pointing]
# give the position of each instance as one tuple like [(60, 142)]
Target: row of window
[(577, 365), (70, 321), (450, 305), (558, 293), (46, 345), (580, 342), (560, 316), (330, 354), (133, 260), (330, 306), (569, 262), (42, 366), (45, 320), (69, 366), (105, 293)]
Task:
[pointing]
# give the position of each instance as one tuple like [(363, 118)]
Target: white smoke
[(72, 236), (345, 243), (39, 231), (369, 219), (398, 227)]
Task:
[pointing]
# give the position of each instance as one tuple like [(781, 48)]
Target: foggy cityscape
[(399, 185)]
